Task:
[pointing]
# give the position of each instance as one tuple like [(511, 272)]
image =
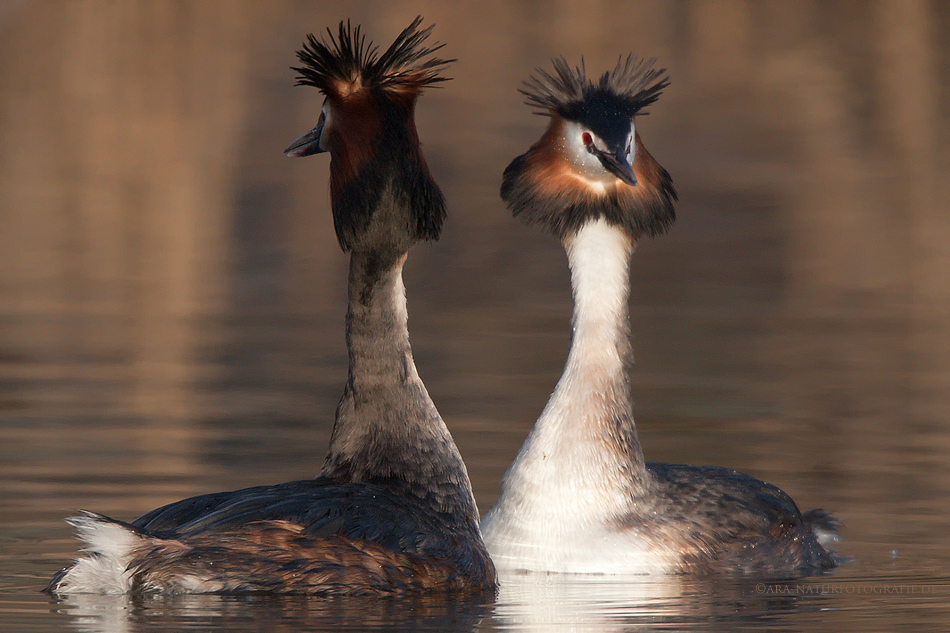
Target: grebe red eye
[(587, 139)]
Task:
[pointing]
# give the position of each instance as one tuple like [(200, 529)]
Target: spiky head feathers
[(630, 87), (346, 64), (381, 191), (590, 163)]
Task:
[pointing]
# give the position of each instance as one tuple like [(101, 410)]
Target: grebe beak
[(309, 143), (617, 165)]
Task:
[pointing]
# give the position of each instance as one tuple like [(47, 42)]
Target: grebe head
[(381, 190), (590, 163)]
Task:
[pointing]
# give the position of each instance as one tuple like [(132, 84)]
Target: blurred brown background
[(172, 294)]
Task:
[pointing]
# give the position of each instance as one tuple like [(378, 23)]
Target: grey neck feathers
[(387, 429)]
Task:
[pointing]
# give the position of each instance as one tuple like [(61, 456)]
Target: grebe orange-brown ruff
[(392, 510), (579, 497)]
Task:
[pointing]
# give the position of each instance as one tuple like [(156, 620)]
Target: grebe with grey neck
[(579, 497), (392, 510)]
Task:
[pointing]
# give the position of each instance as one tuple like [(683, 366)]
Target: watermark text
[(856, 589)]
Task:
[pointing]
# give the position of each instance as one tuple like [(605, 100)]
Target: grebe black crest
[(367, 124), (579, 497), (392, 510), (588, 162)]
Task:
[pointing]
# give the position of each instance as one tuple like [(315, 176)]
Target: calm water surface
[(172, 295)]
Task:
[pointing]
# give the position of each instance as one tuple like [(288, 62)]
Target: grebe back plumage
[(580, 497), (392, 510)]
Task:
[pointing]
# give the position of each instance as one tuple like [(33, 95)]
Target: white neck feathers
[(599, 256), (581, 466), (584, 445)]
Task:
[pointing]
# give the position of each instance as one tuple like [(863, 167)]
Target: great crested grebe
[(579, 497), (392, 510)]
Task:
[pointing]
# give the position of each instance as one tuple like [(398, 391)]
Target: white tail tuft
[(109, 545)]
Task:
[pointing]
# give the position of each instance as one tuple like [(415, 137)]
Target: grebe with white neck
[(579, 497), (392, 510)]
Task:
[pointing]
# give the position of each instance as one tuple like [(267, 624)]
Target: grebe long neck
[(377, 334), (599, 258), (584, 446), (387, 428), (595, 384)]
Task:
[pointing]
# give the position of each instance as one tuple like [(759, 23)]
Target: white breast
[(562, 495)]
